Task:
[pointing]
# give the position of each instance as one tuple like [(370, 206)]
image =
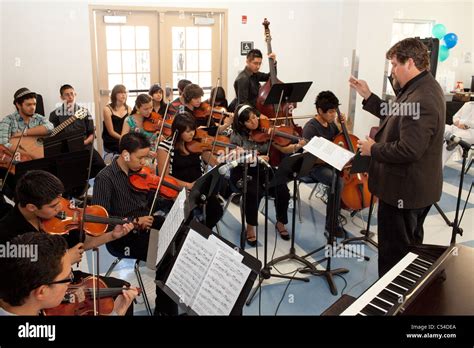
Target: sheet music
[(225, 248), (329, 152), (171, 225), (220, 289), (191, 266)]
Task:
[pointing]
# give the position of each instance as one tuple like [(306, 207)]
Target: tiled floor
[(314, 297)]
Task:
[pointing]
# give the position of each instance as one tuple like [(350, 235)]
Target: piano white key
[(373, 305), (411, 281), (387, 302), (381, 284), (416, 275)]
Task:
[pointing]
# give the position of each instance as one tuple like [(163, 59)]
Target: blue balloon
[(439, 30), (450, 40), (443, 53)]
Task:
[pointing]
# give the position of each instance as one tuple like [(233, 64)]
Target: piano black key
[(410, 275), (396, 289), (417, 269), (371, 310), (423, 262), (389, 296), (378, 311), (382, 304), (402, 282)]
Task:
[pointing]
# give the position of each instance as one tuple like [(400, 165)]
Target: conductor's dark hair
[(21, 275), (132, 142), (38, 187), (255, 53), (326, 100)]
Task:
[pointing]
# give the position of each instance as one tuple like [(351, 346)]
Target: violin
[(355, 195), (282, 135), (204, 142), (79, 299), (154, 121), (96, 220), (7, 158), (146, 181)]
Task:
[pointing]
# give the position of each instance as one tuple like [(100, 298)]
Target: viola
[(79, 299), (96, 220), (203, 111), (152, 123), (282, 135), (219, 112), (146, 181), (355, 195)]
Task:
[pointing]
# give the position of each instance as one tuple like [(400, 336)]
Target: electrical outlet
[(346, 62), (17, 62), (468, 57)]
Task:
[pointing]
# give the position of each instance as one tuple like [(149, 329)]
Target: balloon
[(450, 40), (439, 30), (443, 53)]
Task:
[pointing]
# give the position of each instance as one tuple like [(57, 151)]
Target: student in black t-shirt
[(86, 125), (324, 125)]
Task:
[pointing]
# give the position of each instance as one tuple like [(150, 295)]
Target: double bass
[(285, 110)]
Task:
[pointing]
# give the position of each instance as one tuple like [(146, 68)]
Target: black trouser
[(324, 175), (256, 192), (111, 282), (398, 229)]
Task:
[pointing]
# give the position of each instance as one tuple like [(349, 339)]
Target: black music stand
[(360, 164), (293, 92), (70, 168), (204, 187), (328, 272), (64, 142), (254, 264), (291, 168)]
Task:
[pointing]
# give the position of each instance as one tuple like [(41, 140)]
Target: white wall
[(52, 40)]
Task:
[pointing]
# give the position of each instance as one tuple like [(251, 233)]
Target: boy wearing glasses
[(32, 284)]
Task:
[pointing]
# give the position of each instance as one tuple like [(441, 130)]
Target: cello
[(355, 195)]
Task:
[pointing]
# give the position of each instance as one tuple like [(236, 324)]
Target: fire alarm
[(244, 19)]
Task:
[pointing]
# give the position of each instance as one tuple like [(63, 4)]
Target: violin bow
[(161, 130), (163, 173), (213, 102), (10, 165)]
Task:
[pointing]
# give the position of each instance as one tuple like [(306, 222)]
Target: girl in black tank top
[(111, 144), (186, 167)]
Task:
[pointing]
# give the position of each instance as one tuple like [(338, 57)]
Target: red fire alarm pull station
[(244, 19)]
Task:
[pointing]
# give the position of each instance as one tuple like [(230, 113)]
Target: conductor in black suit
[(405, 170)]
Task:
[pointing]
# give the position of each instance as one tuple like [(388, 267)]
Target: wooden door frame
[(126, 9)]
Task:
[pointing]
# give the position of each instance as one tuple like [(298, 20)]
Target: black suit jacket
[(405, 169)]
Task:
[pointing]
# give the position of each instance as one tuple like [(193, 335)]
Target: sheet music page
[(222, 286), (191, 266), (225, 248), (171, 225), (329, 152)]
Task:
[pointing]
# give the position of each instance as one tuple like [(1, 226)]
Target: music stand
[(250, 261), (64, 142), (360, 164), (293, 92), (291, 168), (70, 168)]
